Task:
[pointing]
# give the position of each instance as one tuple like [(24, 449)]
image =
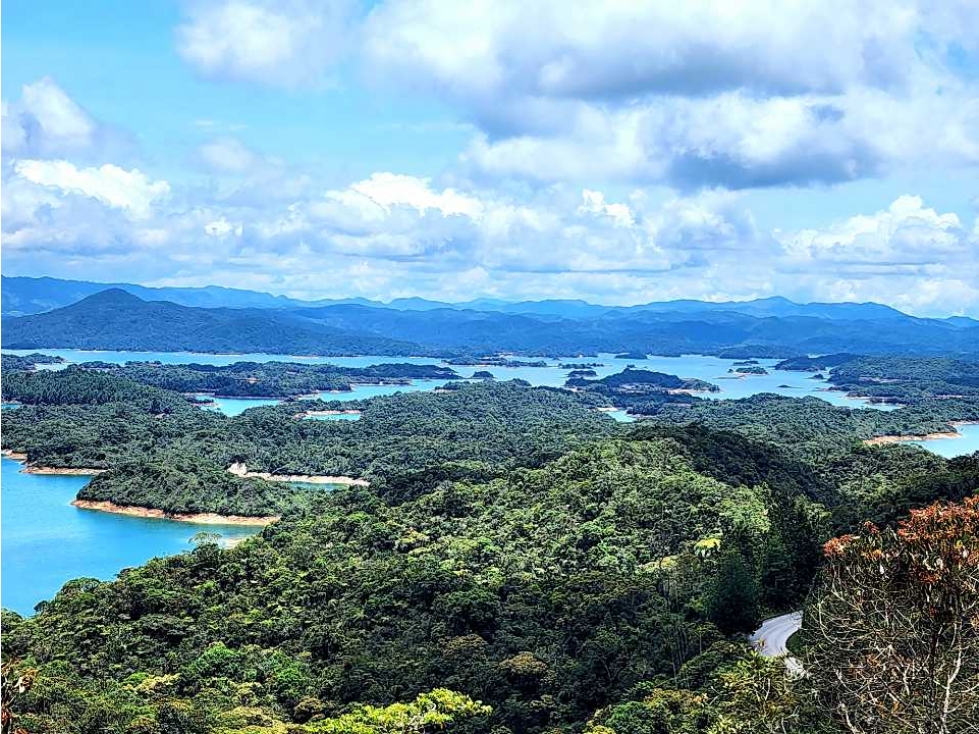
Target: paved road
[(770, 638)]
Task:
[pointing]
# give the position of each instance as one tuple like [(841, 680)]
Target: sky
[(617, 151)]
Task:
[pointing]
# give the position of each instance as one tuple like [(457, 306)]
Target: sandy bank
[(879, 440), (69, 471), (241, 470), (201, 518)]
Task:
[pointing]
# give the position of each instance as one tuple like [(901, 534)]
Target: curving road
[(770, 639), (774, 633)]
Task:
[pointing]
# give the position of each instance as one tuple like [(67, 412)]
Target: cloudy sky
[(621, 152)]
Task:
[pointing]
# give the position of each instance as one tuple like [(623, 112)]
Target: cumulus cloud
[(909, 255), (390, 189), (906, 233), (394, 234), (287, 44), (116, 187), (483, 49), (693, 94)]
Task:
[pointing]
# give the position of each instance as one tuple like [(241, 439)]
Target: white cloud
[(391, 189), (593, 202), (287, 44), (906, 233), (46, 121), (222, 228), (908, 255), (131, 191), (702, 93), (620, 48)]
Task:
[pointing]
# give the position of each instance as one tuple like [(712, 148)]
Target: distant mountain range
[(774, 327), (24, 296)]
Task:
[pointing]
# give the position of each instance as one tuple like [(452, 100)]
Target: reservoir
[(952, 447), (712, 369), (46, 541)]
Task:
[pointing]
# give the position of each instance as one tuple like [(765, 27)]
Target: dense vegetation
[(601, 586), (547, 594), (748, 370), (519, 562), (269, 379), (908, 379), (10, 362), (810, 424), (634, 387), (401, 441)]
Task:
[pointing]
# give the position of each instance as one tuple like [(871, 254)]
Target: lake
[(952, 447), (46, 542), (712, 369)]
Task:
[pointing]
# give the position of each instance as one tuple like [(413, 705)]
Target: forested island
[(748, 370)]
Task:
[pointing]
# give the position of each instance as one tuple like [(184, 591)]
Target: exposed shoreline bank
[(241, 470), (21, 457), (881, 440), (199, 518)]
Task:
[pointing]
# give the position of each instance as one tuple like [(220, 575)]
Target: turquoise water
[(952, 447), (620, 415), (236, 406), (46, 541)]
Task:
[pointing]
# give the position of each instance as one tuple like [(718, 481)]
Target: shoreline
[(21, 458), (241, 470), (66, 471), (882, 440), (197, 518)]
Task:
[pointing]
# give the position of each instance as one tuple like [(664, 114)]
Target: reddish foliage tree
[(894, 630)]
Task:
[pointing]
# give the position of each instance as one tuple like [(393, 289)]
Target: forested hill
[(115, 319)]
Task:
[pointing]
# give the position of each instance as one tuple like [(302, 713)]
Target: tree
[(894, 631), (733, 601)]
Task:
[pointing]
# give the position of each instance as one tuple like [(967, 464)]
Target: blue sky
[(616, 151)]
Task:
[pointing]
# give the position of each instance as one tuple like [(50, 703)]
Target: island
[(748, 370)]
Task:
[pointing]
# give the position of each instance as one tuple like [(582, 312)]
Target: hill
[(115, 319)]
